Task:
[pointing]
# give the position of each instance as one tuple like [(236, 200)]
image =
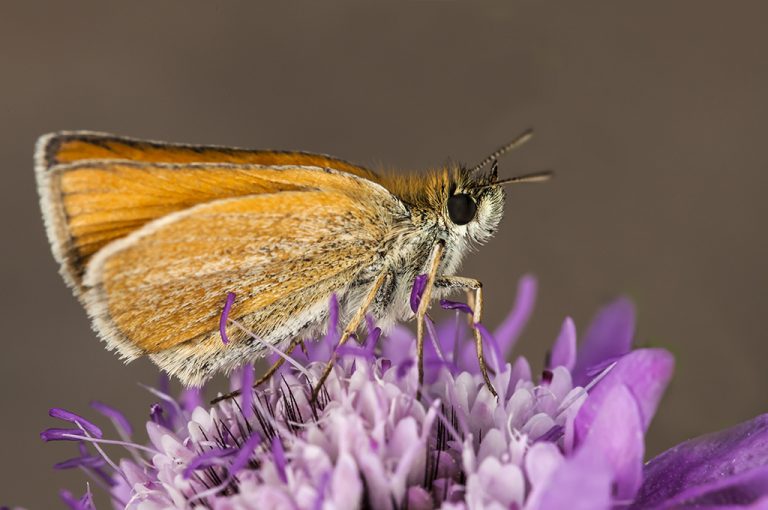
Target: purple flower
[(572, 438)]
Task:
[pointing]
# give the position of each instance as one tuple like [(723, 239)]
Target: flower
[(572, 437)]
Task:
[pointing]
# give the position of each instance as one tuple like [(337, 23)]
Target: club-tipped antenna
[(525, 178), (514, 144)]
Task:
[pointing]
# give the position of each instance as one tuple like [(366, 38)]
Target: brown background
[(654, 115)]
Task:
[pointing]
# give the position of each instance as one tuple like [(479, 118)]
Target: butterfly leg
[(471, 303), (471, 285), (267, 375), (350, 329), (421, 312)]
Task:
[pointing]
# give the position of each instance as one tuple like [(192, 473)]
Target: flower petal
[(732, 462), (645, 372), (541, 461), (739, 491), (84, 503), (119, 420), (583, 482), (418, 499), (617, 436), (246, 452), (278, 456), (246, 390), (564, 350), (206, 459), (507, 333), (87, 461), (503, 484), (521, 371), (496, 351), (609, 335), (191, 398), (346, 486)]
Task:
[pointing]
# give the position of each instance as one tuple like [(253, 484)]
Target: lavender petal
[(206, 459), (245, 453), (191, 398), (246, 390), (616, 435), (75, 462), (355, 351), (552, 435), (645, 372), (609, 336), (583, 482), (746, 491), (733, 462), (564, 349), (278, 454), (373, 338), (508, 332), (119, 420), (404, 367), (491, 340), (418, 499), (84, 503), (70, 500), (521, 371), (398, 345)]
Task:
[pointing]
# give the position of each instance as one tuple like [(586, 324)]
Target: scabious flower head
[(569, 437)]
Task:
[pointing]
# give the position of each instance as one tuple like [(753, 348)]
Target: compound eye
[(461, 208)]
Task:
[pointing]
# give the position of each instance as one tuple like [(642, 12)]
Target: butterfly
[(153, 237)]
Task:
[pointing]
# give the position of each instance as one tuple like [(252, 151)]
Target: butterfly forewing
[(97, 188)]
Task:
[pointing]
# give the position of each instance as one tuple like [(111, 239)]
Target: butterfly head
[(466, 204), (472, 205)]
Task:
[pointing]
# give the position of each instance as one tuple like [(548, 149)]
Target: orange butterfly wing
[(161, 289), (97, 188)]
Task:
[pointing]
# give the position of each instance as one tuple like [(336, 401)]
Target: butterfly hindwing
[(161, 289)]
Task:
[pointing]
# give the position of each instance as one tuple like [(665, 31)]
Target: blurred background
[(654, 115)]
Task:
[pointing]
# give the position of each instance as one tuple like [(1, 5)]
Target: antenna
[(514, 144), (532, 177)]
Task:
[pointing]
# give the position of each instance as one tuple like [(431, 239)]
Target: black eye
[(461, 208)]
